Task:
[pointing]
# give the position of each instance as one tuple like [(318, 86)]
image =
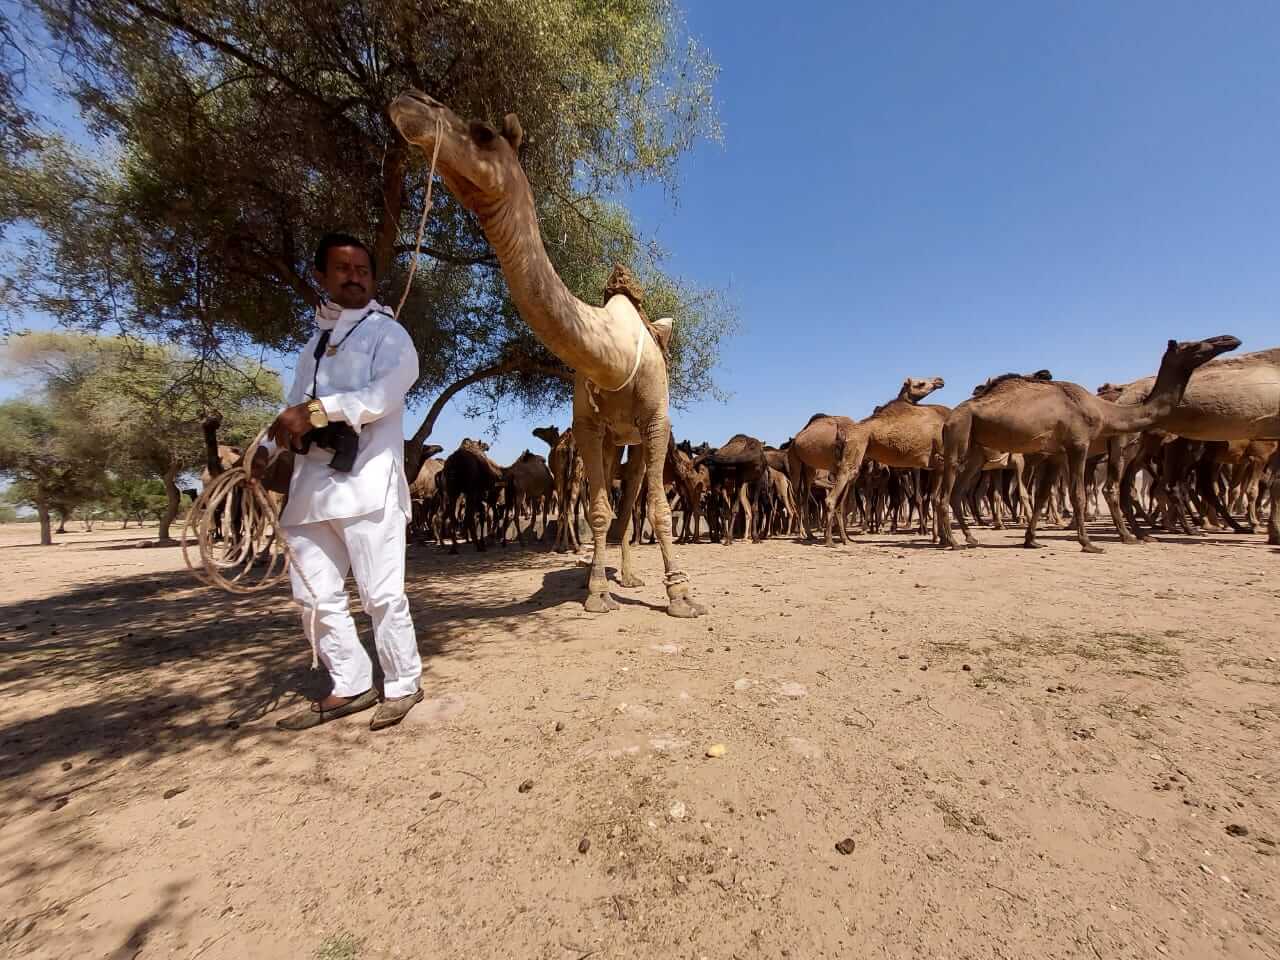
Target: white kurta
[(355, 522), (363, 384)]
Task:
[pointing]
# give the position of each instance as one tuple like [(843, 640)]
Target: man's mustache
[(352, 283)]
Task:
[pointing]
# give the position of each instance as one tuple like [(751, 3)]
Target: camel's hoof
[(630, 580), (685, 608), (1033, 545), (1143, 538), (600, 603), (971, 542), (1091, 548)]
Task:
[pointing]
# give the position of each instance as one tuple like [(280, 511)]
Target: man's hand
[(289, 427)]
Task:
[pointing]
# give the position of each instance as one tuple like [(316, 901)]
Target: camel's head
[(429, 450), (478, 163), (1186, 355), (916, 390), (1109, 391), (548, 435)]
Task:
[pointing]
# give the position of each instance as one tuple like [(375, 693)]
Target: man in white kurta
[(355, 369)]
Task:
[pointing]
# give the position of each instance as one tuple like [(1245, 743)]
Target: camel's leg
[(632, 476), (1206, 477), (520, 503), (970, 471), (1114, 460), (679, 601), (453, 525), (848, 467), (1077, 458), (1046, 480), (590, 439), (748, 516), (1127, 482), (997, 523), (1273, 523)]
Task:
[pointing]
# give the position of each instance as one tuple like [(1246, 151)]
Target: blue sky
[(957, 190)]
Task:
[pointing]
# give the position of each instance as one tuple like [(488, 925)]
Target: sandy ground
[(1034, 755)]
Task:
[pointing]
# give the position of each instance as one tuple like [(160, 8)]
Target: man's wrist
[(319, 417)]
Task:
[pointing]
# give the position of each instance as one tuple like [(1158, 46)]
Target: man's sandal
[(391, 712), (313, 715)]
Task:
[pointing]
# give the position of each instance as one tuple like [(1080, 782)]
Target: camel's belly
[(1023, 438), (1198, 426), (900, 452)]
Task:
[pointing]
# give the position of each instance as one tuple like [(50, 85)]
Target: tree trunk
[(175, 502), (46, 527)]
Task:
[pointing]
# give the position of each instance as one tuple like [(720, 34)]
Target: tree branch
[(480, 260), (208, 40)]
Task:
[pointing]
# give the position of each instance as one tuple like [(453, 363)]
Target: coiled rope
[(255, 555)]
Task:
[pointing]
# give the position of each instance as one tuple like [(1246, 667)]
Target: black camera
[(338, 437)]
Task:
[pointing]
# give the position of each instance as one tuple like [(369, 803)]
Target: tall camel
[(620, 390), (901, 433), (1235, 398), (1020, 415)]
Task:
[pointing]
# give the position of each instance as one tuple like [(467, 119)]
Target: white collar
[(348, 318)]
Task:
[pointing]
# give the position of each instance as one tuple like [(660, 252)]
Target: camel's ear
[(663, 327), (512, 130), (1173, 344)]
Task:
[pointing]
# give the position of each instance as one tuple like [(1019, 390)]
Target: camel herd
[(1183, 450)]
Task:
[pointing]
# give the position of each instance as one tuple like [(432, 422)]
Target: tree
[(50, 458), (247, 129), (143, 403)]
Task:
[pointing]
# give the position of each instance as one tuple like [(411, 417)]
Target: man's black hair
[(331, 240)]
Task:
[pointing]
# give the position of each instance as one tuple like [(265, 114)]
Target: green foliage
[(131, 406), (7, 513), (247, 129), (50, 457)]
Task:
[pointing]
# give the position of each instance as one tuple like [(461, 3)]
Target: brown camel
[(530, 483), (426, 492), (901, 433), (470, 474), (1020, 415), (692, 480), (569, 475), (1234, 398), (738, 469), (620, 393)]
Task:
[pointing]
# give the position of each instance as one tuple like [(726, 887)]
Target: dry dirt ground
[(1041, 755)]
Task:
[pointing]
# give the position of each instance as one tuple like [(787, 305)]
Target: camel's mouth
[(1212, 347), (416, 116)]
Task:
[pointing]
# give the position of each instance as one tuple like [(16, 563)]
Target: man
[(347, 399)]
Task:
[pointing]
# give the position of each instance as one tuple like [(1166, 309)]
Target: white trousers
[(373, 548)]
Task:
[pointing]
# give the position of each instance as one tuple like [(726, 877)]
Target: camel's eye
[(482, 133)]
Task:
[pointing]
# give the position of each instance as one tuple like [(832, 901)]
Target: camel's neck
[(1166, 394), (583, 336), (212, 460)]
